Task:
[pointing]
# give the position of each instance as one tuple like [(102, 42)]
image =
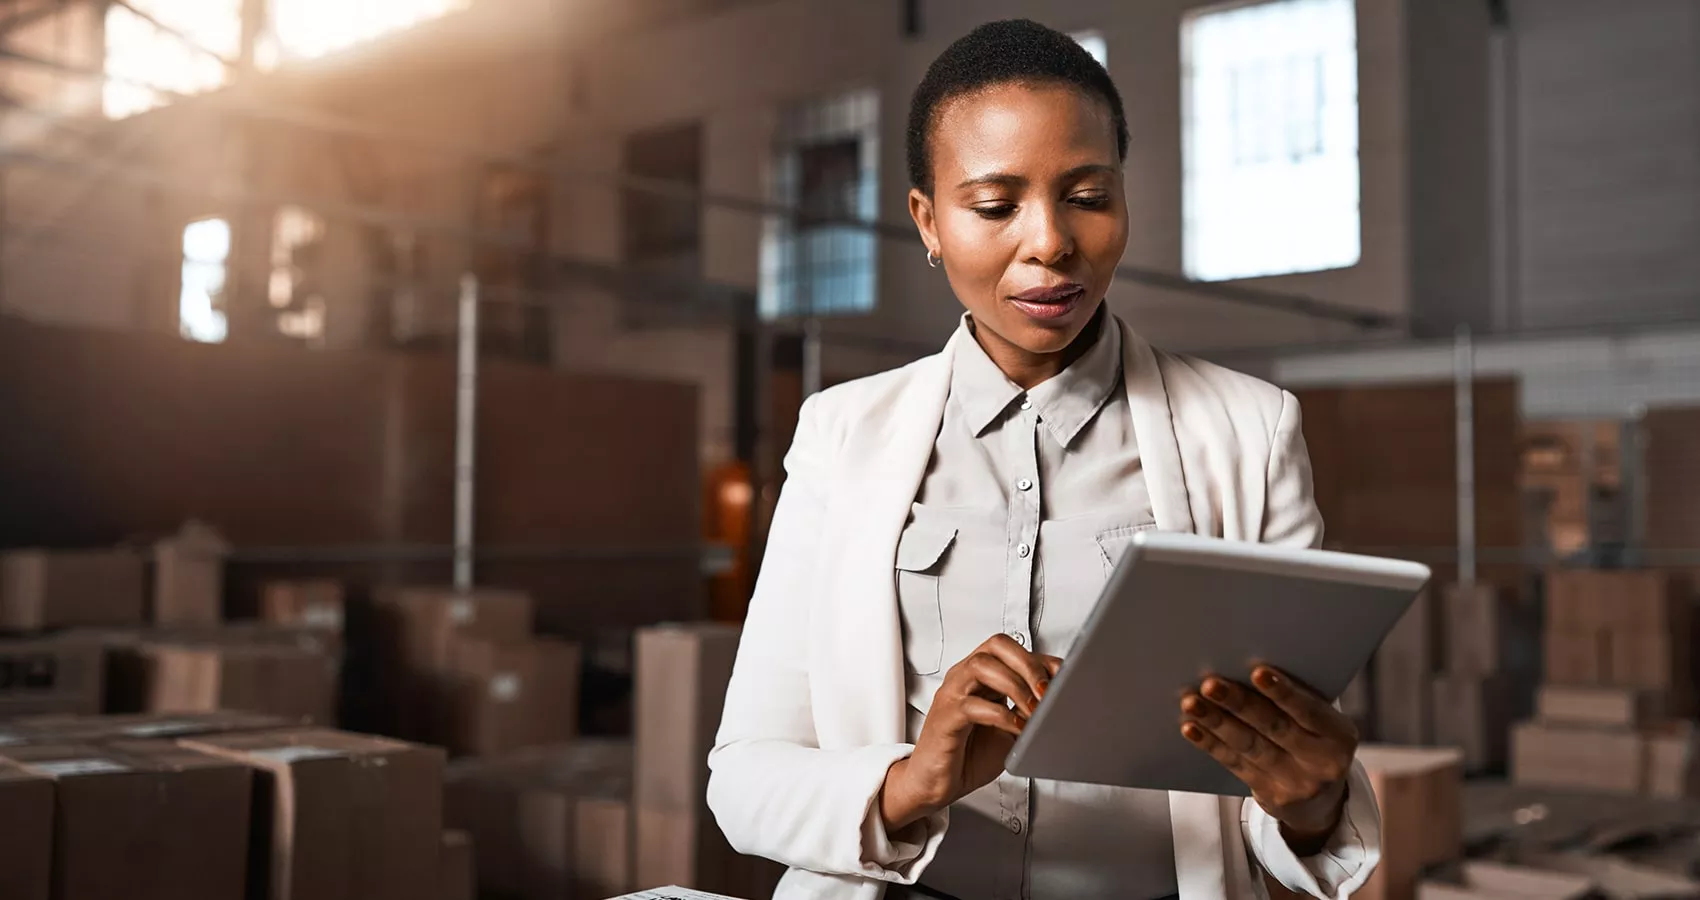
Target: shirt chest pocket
[(921, 553)]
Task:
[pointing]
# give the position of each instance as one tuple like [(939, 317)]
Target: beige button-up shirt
[(1028, 501)]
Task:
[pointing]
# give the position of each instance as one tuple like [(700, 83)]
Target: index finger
[(1309, 709), (1030, 666)]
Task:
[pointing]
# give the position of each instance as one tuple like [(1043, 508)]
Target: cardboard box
[(1577, 658), (318, 604), (64, 674), (1497, 881), (299, 684), (1577, 757), (1420, 792), (1474, 714), (1604, 707), (1404, 698), (26, 833), (144, 820), (69, 729), (188, 577), (682, 674), (506, 695), (1643, 601), (1479, 624), (426, 621), (418, 628), (1671, 755), (548, 822), (1657, 662), (455, 871), (42, 589), (340, 816)]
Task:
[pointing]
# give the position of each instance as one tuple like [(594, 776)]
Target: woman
[(946, 527)]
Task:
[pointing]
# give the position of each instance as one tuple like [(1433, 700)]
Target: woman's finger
[(1019, 659), (983, 674), (1238, 736), (993, 714), (1261, 713), (1241, 768), (1304, 706)]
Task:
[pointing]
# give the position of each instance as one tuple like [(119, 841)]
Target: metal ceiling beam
[(309, 120), (185, 39), (25, 17)]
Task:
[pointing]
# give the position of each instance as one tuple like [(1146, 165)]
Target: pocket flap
[(922, 546), (1112, 543)]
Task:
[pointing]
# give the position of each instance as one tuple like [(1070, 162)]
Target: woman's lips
[(1049, 303)]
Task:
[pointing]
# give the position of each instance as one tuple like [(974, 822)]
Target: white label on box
[(460, 610), (80, 767), (288, 755), (322, 615), (160, 729), (504, 687)]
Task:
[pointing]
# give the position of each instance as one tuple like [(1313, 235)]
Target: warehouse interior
[(404, 386)]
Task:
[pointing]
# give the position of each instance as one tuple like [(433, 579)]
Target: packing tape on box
[(160, 729), (287, 755), (72, 767)]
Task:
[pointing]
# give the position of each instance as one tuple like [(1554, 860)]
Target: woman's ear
[(921, 210)]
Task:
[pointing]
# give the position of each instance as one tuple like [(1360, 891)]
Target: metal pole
[(1464, 383), (466, 409), (811, 356)]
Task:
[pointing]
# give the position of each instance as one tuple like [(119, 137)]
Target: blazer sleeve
[(774, 792), (1350, 856)]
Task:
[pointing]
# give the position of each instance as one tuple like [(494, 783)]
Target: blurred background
[(520, 298)]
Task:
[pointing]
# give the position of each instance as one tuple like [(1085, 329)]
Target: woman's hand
[(969, 731), (1289, 745)]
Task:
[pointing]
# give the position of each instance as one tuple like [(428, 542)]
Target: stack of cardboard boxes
[(1481, 687), (595, 818), (239, 807), (1614, 712), (1420, 792), (465, 671)]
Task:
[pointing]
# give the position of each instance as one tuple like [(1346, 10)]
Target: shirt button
[(1019, 638), (1024, 484), (1015, 825), (1023, 550), (1026, 403)]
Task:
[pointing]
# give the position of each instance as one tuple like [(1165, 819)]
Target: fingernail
[(1039, 689), (1267, 678), (1190, 731), (1192, 705), (1215, 690)]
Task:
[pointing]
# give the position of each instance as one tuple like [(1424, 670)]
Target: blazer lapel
[(886, 460), (1154, 430)]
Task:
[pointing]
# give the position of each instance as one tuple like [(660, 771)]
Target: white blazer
[(815, 711)]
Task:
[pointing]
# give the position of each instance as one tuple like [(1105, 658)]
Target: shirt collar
[(1066, 402)]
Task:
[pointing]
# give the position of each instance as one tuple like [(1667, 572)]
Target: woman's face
[(1027, 212)]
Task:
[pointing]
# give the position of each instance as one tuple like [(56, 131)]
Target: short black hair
[(1019, 51)]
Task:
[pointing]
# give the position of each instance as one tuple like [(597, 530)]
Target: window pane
[(1271, 140), (200, 303), (1095, 45), (825, 166)]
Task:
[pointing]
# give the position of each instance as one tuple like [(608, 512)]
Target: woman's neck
[(1028, 370)]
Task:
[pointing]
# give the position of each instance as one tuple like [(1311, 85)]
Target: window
[(1095, 45), (660, 228), (296, 258), (142, 55), (1271, 140), (825, 167), (200, 305)]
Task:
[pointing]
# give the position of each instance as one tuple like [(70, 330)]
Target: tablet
[(1180, 605)]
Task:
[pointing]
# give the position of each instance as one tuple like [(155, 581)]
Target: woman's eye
[(1090, 201), (995, 211)]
